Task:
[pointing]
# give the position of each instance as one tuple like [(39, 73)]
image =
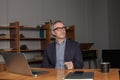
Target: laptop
[(17, 63)]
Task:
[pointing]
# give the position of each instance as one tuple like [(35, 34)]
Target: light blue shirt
[(60, 49)]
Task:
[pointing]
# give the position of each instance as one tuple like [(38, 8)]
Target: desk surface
[(56, 74)]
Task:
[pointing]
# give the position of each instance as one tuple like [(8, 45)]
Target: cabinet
[(70, 32), (13, 37), (29, 37), (14, 34)]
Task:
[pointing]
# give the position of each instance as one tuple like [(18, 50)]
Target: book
[(42, 33), (79, 75)]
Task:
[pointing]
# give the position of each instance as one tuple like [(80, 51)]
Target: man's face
[(59, 31)]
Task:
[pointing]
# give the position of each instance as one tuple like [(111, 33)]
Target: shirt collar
[(63, 42)]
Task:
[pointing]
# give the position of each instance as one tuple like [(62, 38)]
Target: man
[(62, 53)]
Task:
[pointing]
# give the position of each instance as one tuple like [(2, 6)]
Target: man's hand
[(69, 65)]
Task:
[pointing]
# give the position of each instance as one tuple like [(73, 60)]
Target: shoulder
[(51, 45), (71, 42)]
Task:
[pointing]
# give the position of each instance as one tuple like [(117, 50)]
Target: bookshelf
[(14, 30), (9, 35)]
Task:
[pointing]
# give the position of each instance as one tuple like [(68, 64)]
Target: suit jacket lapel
[(54, 52), (66, 49)]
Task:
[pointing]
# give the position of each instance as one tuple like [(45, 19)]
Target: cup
[(105, 67)]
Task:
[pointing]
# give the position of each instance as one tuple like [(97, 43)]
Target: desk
[(2, 66), (55, 74)]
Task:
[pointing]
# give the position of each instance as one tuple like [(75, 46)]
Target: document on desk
[(79, 75)]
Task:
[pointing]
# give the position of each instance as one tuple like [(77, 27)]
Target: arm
[(45, 62), (49, 57), (78, 59), (73, 54)]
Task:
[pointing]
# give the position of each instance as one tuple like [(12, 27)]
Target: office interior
[(96, 21)]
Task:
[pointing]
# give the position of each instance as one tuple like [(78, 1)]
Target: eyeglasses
[(60, 28)]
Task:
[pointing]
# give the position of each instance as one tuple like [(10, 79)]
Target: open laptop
[(17, 63)]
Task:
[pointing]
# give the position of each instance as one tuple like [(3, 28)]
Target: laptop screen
[(17, 63)]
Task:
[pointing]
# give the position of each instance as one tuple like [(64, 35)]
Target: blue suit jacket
[(72, 53)]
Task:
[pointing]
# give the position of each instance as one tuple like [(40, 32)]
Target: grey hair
[(57, 21)]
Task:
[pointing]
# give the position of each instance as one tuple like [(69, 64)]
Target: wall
[(100, 23), (38, 11), (94, 19), (114, 23)]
